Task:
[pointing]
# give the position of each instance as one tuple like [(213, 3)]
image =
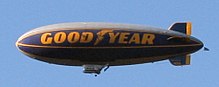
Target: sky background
[(20, 16)]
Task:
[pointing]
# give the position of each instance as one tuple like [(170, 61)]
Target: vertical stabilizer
[(184, 27), (181, 60)]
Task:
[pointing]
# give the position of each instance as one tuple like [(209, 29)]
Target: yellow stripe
[(188, 28), (38, 46), (188, 56)]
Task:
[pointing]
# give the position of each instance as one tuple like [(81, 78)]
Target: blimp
[(96, 45)]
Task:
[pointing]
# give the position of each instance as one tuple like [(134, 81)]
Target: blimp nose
[(17, 44), (20, 45)]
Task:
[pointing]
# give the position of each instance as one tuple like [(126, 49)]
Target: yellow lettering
[(46, 38), (135, 38), (73, 37), (113, 37), (60, 37), (148, 39), (123, 37), (86, 37)]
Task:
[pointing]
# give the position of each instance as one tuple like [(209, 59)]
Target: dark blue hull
[(109, 55)]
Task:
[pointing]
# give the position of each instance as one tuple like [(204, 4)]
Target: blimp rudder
[(185, 27), (181, 60)]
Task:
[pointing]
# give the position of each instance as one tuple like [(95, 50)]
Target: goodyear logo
[(87, 37)]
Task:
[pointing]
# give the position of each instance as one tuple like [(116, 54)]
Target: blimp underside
[(96, 45), (112, 56)]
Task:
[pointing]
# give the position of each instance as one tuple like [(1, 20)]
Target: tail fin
[(181, 60), (185, 27)]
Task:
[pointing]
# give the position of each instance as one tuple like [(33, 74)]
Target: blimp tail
[(184, 27), (181, 60)]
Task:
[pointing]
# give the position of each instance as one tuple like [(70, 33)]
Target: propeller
[(206, 49)]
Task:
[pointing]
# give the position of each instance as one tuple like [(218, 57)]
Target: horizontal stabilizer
[(185, 27), (181, 60)]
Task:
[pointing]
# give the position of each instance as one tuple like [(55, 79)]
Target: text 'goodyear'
[(87, 37)]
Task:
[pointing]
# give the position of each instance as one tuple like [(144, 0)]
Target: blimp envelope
[(111, 44)]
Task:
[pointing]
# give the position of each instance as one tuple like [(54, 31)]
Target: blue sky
[(20, 16)]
